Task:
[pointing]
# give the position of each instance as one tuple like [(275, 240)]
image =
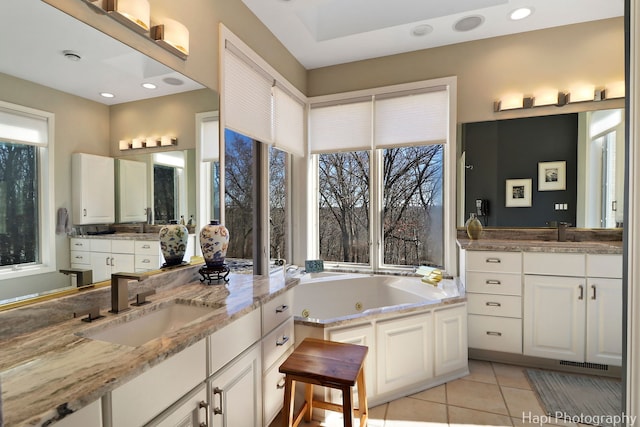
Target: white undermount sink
[(150, 325)]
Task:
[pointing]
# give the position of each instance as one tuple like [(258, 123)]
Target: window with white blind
[(26, 183), (386, 176)]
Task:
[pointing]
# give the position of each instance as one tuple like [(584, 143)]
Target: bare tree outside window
[(18, 204), (412, 206), (164, 194), (239, 191), (344, 207), (277, 202)]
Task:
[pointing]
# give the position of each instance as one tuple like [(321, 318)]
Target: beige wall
[(80, 126), (165, 115), (486, 69), (201, 18)]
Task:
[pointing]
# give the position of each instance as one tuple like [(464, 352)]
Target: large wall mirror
[(539, 171), (36, 72)]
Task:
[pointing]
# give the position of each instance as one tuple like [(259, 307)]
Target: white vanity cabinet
[(149, 394), (493, 282), (93, 189), (132, 191), (190, 411), (147, 255), (102, 256), (234, 385), (571, 312), (277, 344), (90, 415)]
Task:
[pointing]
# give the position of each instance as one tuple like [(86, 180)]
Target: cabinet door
[(554, 317), (190, 411), (235, 393), (93, 189), (90, 415), (101, 266), (604, 321), (132, 191), (451, 340), (122, 263), (405, 352)]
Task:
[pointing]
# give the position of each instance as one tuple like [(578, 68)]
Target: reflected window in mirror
[(25, 180), (168, 184)]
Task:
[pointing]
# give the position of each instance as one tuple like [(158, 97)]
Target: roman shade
[(23, 128)]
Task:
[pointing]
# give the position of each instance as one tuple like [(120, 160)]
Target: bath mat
[(579, 398)]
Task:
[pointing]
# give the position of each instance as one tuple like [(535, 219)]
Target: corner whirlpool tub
[(416, 333)]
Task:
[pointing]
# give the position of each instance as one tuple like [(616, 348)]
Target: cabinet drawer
[(495, 333), (505, 262), (81, 257), (100, 245), (80, 244), (273, 389), (233, 339), (554, 264), (276, 311), (495, 305), (277, 343), (122, 246), (494, 283), (147, 262), (604, 265), (147, 247)]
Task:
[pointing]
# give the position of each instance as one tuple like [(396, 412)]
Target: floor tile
[(470, 417), (476, 395), (521, 403), (511, 376), (481, 371), (408, 412), (436, 394)]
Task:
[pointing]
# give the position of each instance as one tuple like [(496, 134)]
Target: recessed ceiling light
[(421, 30), (107, 95), (468, 23), (520, 13), (148, 85), (173, 81)]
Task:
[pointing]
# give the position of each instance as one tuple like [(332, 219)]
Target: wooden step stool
[(328, 364)]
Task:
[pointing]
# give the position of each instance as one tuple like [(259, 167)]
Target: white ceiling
[(327, 32), (33, 36)]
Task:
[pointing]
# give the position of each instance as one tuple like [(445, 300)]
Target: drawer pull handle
[(283, 342), (493, 260), (204, 405), (594, 291), (146, 247), (493, 304), (581, 292), (280, 384), (79, 257), (492, 282), (495, 334), (146, 261), (282, 308), (78, 244), (218, 410)]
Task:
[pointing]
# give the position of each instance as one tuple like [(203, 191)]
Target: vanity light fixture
[(173, 36), (148, 142), (134, 14), (584, 93)]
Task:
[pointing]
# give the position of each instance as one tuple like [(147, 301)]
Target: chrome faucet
[(120, 290)]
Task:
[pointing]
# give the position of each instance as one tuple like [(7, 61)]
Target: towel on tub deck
[(62, 224)]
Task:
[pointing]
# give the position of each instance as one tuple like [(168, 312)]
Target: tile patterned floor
[(493, 394)]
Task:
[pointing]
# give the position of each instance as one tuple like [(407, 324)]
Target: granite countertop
[(120, 236), (509, 245), (52, 367)]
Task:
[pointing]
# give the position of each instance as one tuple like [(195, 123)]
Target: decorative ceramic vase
[(473, 226), (173, 242), (214, 241)]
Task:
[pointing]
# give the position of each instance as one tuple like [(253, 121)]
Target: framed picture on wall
[(552, 176), (518, 193)]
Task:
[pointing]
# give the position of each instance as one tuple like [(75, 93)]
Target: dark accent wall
[(512, 149)]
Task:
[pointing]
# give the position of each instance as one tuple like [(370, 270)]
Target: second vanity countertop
[(507, 245), (54, 367)]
